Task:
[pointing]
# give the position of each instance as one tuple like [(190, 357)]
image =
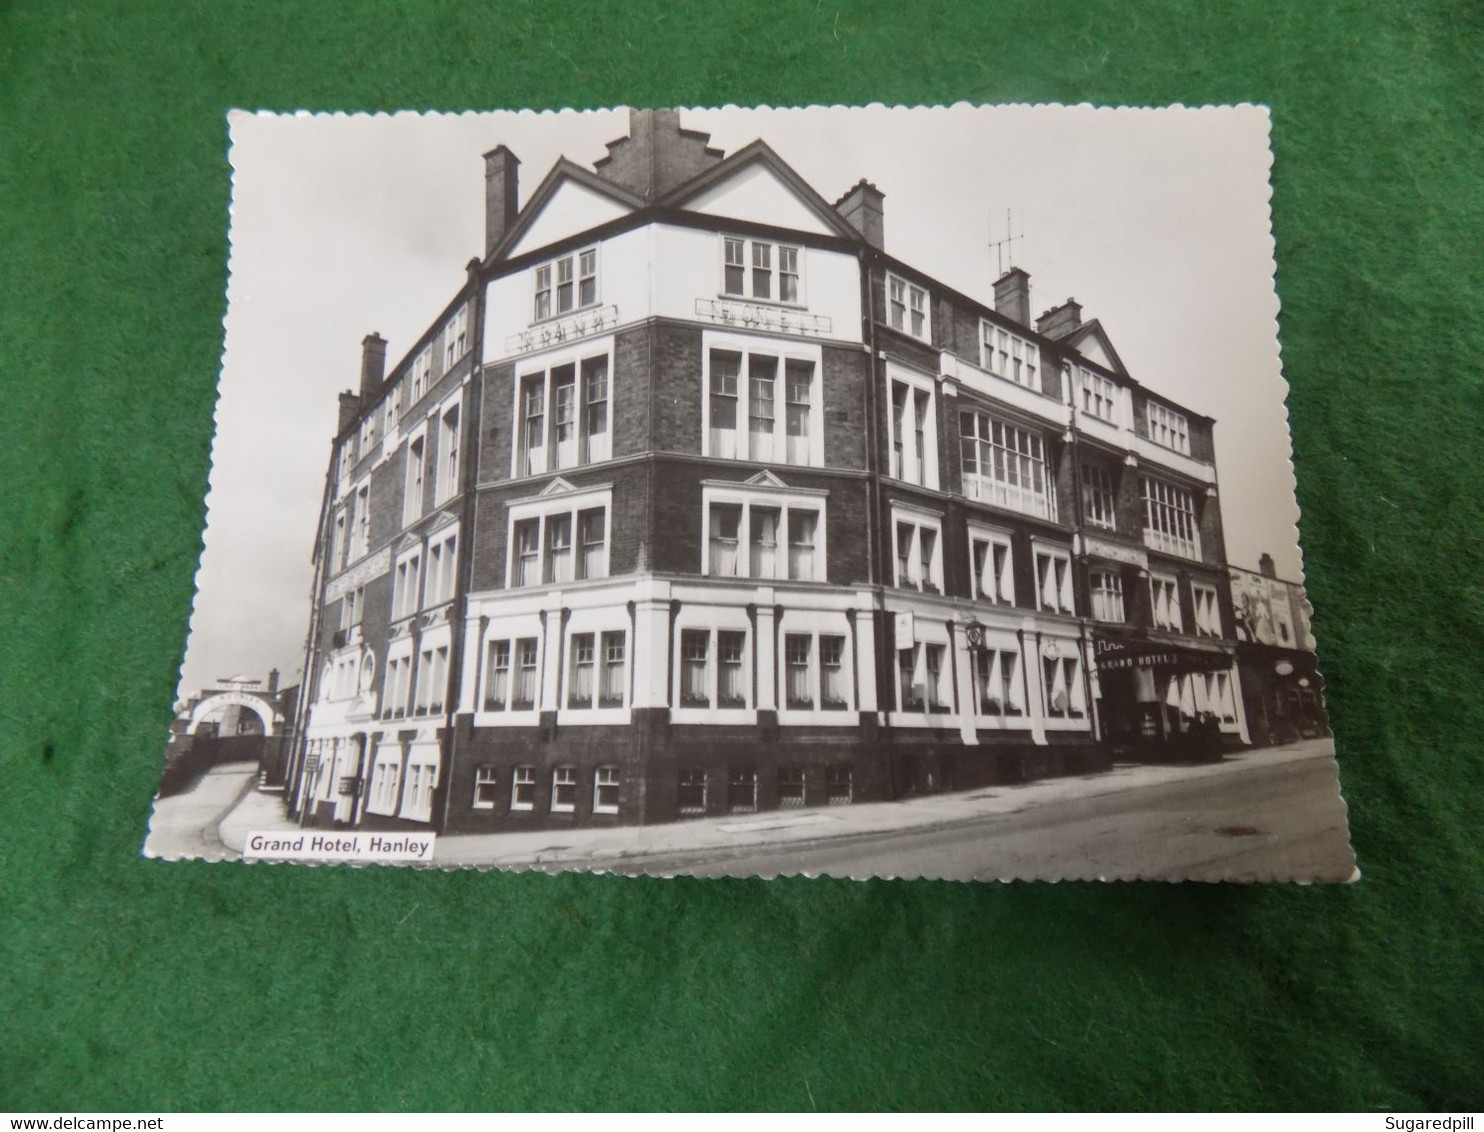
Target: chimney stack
[(501, 190), (350, 408), (272, 681), (1266, 567), (1012, 296), (657, 155), (373, 364), (863, 208), (1060, 321)]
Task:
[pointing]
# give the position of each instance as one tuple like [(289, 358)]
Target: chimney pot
[(501, 195), (1266, 567), (1012, 296), (863, 208), (1060, 321)]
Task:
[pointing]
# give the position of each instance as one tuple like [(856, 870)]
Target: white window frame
[(431, 695), (919, 518), (1001, 493), (543, 508), (784, 351), (522, 775), (1003, 588), (599, 774), (447, 485), (601, 624), (814, 625), (1009, 356), (1207, 601), (386, 777), (713, 621), (1164, 504), (421, 370), (931, 709), (904, 467), (552, 267), (1107, 599), (1066, 671), (439, 585), (1098, 396), (414, 487), (1046, 556), (999, 648), (396, 680), (485, 774), (359, 521), (456, 337), (407, 582), (588, 447), (775, 272), (417, 797), (1168, 587), (1169, 428), (511, 632), (1099, 496), (914, 298), (563, 775), (782, 499)]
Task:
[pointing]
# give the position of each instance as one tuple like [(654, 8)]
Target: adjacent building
[(1282, 690), (695, 499)]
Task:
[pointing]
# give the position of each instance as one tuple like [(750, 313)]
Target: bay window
[(1006, 465), (762, 401), (1169, 518)]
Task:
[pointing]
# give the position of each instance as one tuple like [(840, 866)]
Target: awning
[(1143, 650)]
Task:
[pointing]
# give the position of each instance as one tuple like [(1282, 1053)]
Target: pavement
[(186, 825), (743, 844)]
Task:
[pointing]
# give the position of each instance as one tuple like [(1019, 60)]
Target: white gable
[(755, 193), (572, 208), (1091, 348)]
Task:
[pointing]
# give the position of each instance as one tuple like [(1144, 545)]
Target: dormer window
[(760, 269), (1099, 396), (567, 284), (1169, 428), (1009, 355)]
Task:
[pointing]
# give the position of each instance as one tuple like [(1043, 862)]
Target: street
[(1278, 821), (185, 825)]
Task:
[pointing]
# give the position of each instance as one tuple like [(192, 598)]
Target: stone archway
[(255, 704)]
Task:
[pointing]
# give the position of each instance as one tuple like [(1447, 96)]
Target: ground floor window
[(523, 788), (742, 790), (839, 785), (921, 678), (790, 787), (711, 668), (605, 790), (1065, 695), (486, 781), (417, 802), (563, 790), (1001, 691), (691, 791)]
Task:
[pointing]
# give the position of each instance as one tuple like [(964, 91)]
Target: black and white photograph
[(862, 492)]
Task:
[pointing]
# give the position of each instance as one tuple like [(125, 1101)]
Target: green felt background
[(129, 984)]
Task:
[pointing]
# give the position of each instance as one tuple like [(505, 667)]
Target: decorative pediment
[(755, 184), (558, 486), (408, 542), (765, 478), (1092, 342), (446, 518)]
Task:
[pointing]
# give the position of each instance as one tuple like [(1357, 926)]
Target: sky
[(1156, 221)]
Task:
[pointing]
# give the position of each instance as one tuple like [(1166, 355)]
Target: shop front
[(1161, 700)]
